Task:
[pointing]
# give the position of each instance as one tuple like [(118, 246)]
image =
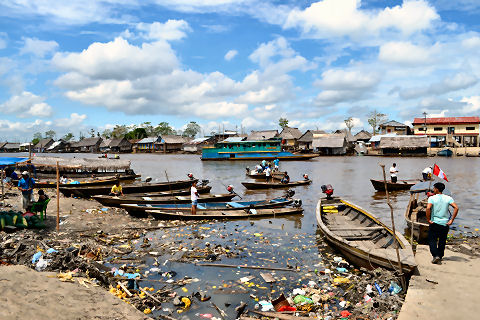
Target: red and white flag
[(439, 173)]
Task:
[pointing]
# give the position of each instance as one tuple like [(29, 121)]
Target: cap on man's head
[(440, 186), (25, 173)]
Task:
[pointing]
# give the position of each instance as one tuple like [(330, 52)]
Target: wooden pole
[(402, 279), (3, 188), (58, 198), (171, 192)]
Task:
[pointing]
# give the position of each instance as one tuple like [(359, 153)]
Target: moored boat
[(361, 237), (140, 209), (261, 175), (226, 214), (445, 153), (113, 201), (89, 182), (86, 192), (379, 185), (275, 185)]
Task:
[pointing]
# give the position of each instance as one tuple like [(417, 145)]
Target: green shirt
[(439, 212)]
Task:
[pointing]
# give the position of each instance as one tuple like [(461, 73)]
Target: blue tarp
[(7, 161)]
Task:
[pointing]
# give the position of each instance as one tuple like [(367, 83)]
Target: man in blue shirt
[(26, 184), (276, 163), (439, 220)]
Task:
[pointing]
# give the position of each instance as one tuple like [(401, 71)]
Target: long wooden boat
[(445, 153), (261, 175), (416, 218), (138, 209), (179, 192), (226, 214), (113, 201), (86, 192), (88, 183), (275, 185), (361, 237), (379, 185)]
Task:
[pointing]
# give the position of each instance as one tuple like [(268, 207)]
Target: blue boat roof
[(238, 140)]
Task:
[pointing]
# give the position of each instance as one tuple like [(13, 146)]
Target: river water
[(282, 242)]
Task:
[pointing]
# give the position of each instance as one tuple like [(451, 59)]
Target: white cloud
[(230, 54), (74, 121), (264, 54), (26, 105), (473, 105), (170, 30), (471, 43), (406, 54), (333, 18), (39, 48)]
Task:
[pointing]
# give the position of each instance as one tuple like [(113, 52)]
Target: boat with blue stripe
[(140, 209), (236, 149)]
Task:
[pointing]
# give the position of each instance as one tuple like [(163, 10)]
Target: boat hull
[(260, 156), (113, 201), (99, 182), (379, 185), (274, 185), (225, 215)]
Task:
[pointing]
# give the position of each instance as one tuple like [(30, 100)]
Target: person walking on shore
[(194, 197), (427, 173), (26, 184), (439, 221), (393, 173)]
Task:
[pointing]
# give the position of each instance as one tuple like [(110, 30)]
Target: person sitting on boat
[(439, 221), (427, 173), (264, 164), (194, 197), (116, 189), (393, 173), (276, 164), (268, 173), (258, 168), (286, 178), (63, 180)]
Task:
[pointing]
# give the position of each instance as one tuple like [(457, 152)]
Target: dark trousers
[(437, 238), (394, 179)]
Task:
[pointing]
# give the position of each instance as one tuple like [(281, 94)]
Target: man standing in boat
[(439, 221), (393, 173), (276, 164), (268, 173), (427, 173), (194, 197)]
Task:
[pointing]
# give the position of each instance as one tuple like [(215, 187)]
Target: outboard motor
[(148, 179), (190, 176), (289, 193), (205, 182), (328, 190), (305, 176), (230, 188), (297, 203)]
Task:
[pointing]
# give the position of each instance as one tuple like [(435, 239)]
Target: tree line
[(143, 130)]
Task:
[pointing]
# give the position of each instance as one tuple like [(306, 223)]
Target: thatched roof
[(308, 135), (262, 135), (111, 143), (334, 140), (290, 133), (43, 143), (404, 142), (347, 134), (175, 139), (10, 145), (87, 142), (82, 163), (363, 135)]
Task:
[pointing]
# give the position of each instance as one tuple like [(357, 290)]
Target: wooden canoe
[(225, 214), (139, 209), (361, 237), (89, 182), (86, 192), (275, 185), (379, 185), (179, 192), (113, 201), (416, 218), (261, 175)]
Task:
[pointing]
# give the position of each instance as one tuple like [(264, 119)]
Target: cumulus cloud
[(472, 104), (456, 82), (345, 85), (26, 105), (230, 54), (406, 54), (73, 121), (170, 30), (39, 48), (333, 18)]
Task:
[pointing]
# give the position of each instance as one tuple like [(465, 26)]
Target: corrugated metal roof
[(447, 120), (393, 123), (378, 137), (148, 140), (234, 139)]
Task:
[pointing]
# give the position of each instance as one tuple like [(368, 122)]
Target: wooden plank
[(122, 285), (267, 277), (357, 228)]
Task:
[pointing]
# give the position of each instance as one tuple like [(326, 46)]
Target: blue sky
[(75, 65)]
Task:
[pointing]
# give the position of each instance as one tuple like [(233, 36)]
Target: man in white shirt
[(427, 173), (393, 173), (268, 173), (194, 197)]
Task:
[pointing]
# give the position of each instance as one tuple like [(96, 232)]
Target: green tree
[(50, 134), (163, 128), (374, 119), (283, 122), (119, 131), (92, 133), (192, 129), (137, 133), (349, 124), (68, 137), (148, 128), (106, 134)]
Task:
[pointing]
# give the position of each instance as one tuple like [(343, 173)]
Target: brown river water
[(291, 241)]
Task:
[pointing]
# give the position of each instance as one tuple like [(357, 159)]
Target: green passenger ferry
[(251, 150)]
